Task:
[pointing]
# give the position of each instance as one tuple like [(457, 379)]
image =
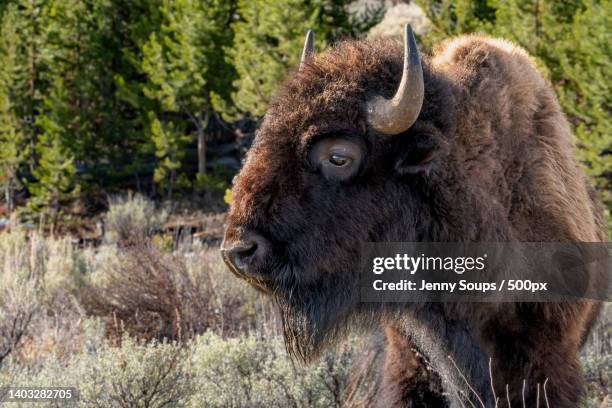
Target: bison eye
[(337, 158)]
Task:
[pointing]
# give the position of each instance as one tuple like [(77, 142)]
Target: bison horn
[(308, 48), (394, 116)]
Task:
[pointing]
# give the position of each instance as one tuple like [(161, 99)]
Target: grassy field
[(144, 321)]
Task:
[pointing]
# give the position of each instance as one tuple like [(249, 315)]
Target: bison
[(367, 142)]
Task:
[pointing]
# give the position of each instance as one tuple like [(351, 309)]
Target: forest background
[(162, 97)]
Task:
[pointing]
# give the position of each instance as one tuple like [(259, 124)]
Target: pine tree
[(69, 111), (55, 172), (186, 76), (269, 36), (27, 64), (22, 64), (169, 144), (583, 84), (13, 149), (135, 22), (268, 39), (73, 62)]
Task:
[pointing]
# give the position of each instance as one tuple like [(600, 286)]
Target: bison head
[(342, 157)]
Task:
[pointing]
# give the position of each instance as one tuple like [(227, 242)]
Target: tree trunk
[(170, 187), (54, 211), (9, 196), (201, 125), (201, 152)]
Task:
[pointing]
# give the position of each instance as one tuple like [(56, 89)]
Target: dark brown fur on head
[(490, 158)]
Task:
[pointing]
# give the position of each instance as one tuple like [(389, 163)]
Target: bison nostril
[(247, 255), (241, 254), (249, 250)]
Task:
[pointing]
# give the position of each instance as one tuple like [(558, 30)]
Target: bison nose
[(246, 255)]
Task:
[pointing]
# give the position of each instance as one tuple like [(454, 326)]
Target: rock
[(398, 15)]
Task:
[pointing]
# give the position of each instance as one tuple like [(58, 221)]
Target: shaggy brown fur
[(501, 168)]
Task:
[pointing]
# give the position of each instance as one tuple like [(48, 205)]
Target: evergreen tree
[(118, 89), (268, 40), (169, 144), (27, 64), (13, 149), (79, 57), (55, 172), (269, 36), (187, 76), (22, 64), (583, 84), (135, 22), (73, 105)]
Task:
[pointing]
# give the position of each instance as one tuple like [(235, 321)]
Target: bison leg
[(538, 362), (407, 380), (548, 381)]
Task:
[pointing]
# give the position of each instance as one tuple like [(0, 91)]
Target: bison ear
[(417, 154)]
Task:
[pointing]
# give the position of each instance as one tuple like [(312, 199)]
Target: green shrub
[(255, 372), (597, 359), (209, 371), (37, 276), (132, 218), (134, 374)]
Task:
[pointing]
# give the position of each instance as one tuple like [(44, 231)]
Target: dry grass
[(136, 322), (155, 294)]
